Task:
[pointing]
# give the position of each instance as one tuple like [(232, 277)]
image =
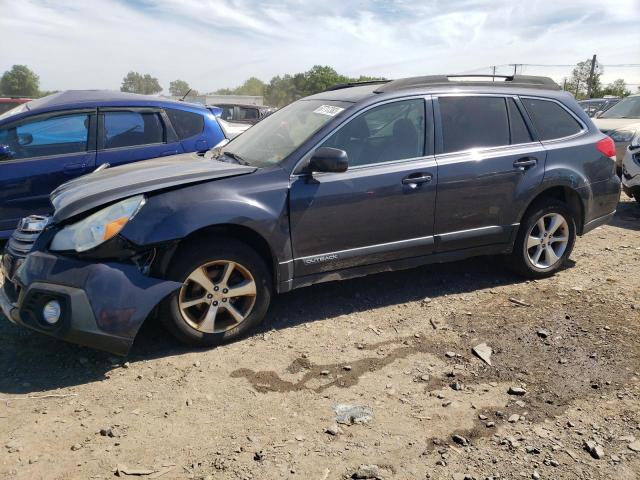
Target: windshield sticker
[(328, 110)]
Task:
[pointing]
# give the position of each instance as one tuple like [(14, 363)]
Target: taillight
[(606, 147)]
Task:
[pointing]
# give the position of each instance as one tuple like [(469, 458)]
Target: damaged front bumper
[(102, 305)]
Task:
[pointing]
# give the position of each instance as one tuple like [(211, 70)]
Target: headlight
[(98, 227), (622, 135)]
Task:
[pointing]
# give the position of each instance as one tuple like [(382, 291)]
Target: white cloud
[(218, 43)]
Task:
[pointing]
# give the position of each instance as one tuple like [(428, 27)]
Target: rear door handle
[(416, 179), (525, 162)]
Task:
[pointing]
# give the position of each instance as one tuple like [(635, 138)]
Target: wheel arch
[(568, 195), (241, 233)]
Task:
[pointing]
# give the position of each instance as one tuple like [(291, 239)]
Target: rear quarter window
[(186, 124), (550, 119)]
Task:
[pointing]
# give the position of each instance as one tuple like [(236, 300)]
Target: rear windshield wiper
[(236, 157)]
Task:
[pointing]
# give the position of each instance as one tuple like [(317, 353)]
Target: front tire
[(545, 239), (226, 292)]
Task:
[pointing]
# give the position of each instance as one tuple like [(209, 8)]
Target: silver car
[(622, 123), (631, 169)]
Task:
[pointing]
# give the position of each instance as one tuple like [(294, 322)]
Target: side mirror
[(327, 159), (25, 139)]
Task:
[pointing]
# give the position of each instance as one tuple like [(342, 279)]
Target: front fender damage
[(107, 302)]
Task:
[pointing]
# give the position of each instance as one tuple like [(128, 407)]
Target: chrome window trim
[(424, 97)]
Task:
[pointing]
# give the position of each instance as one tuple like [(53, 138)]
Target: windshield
[(271, 140), (626, 108)]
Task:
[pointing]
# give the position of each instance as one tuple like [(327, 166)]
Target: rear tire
[(545, 239), (226, 292)]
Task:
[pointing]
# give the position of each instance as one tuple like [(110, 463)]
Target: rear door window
[(550, 119), (61, 135), (519, 131), (186, 124), (473, 122), (129, 129)]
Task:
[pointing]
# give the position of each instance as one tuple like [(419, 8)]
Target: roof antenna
[(185, 95)]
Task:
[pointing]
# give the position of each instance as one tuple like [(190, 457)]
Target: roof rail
[(528, 81), (340, 86)]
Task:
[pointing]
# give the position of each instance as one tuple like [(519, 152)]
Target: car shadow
[(32, 362), (628, 214)]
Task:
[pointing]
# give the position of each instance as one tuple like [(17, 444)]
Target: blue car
[(49, 141)]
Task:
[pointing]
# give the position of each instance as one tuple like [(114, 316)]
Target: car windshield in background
[(274, 138), (14, 111), (626, 108)]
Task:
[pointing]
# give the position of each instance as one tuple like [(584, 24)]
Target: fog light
[(51, 312)]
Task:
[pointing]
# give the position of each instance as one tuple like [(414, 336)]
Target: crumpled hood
[(610, 124), (99, 188)]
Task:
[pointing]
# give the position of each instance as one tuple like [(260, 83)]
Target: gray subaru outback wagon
[(358, 179)]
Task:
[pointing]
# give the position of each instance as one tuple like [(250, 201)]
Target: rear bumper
[(103, 304)]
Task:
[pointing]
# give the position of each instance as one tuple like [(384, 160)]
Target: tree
[(180, 88), (282, 90), (617, 88), (579, 81), (20, 81), (137, 83)]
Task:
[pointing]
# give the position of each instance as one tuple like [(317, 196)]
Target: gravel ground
[(562, 390)]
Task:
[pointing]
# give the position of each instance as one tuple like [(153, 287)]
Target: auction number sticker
[(328, 110)]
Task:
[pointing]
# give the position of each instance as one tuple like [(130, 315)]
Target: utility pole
[(590, 84), (577, 88), (493, 79), (564, 84), (515, 68)]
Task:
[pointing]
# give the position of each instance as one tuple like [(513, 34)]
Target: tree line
[(281, 90)]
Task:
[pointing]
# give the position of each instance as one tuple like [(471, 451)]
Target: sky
[(78, 44)]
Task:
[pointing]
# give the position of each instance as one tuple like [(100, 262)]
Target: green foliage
[(20, 81), (282, 90), (137, 83), (579, 81), (180, 88), (616, 88)]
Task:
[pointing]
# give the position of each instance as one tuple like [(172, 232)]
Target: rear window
[(186, 124), (473, 122), (550, 119)]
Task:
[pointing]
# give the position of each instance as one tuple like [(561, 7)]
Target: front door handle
[(417, 179), (525, 162)]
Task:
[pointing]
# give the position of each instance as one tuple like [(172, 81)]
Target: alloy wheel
[(547, 240), (217, 296)]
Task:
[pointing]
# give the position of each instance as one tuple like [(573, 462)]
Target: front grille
[(25, 235)]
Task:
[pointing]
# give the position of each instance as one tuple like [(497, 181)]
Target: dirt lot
[(398, 343)]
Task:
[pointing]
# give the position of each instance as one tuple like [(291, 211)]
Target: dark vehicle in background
[(51, 140), (595, 106), (9, 103), (359, 179), (239, 113)]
